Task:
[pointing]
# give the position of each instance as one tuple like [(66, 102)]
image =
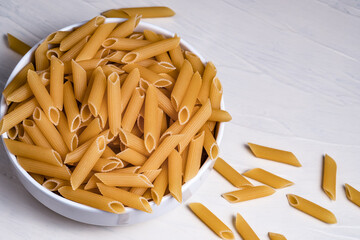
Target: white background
[(291, 77)]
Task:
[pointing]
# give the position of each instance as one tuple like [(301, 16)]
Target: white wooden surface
[(291, 77)]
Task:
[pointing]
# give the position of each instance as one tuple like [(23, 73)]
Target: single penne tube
[(124, 179), (92, 199), (91, 183), (162, 67), (35, 134), (208, 76), (244, 229), (105, 165), (150, 119), (23, 136), (97, 92), (154, 37), (42, 168), (46, 155), (56, 37), (71, 107), (92, 130), (53, 184), (37, 177), (75, 155), (212, 221), (233, 176), (110, 68), (43, 97), (329, 177), (248, 193), (41, 61), (219, 115), (127, 198), (177, 57), (195, 61), (88, 65), (140, 119), (85, 109), (103, 113), (87, 162), (131, 156), (181, 84), (81, 32), (274, 154), (352, 194), (53, 52), (132, 169), (50, 132), (137, 35), (276, 236), (13, 132), (57, 82), (171, 79), (145, 12), (184, 156), (311, 208), (126, 28), (175, 128), (210, 144), (160, 184), (79, 80), (175, 175), (151, 175), (151, 50), (132, 141), (124, 44), (113, 99), (149, 75), (95, 41), (115, 56), (70, 138), (189, 100), (133, 109), (128, 87), (193, 160), (165, 105), (147, 62), (74, 50), (267, 178), (164, 123), (194, 125), (17, 45), (216, 92), (161, 153), (102, 53)]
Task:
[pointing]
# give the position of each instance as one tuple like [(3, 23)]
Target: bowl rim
[(29, 55)]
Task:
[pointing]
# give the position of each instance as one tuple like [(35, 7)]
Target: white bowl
[(89, 215)]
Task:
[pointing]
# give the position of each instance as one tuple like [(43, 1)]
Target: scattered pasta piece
[(329, 177), (248, 193), (243, 228), (267, 178), (17, 45), (352, 194), (145, 12), (276, 236)]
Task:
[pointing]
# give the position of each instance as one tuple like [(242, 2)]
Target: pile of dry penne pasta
[(108, 116)]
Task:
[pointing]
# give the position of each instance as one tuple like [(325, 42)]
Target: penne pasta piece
[(74, 50), (213, 222), (87, 162), (115, 56), (57, 82), (165, 105), (71, 108), (37, 177), (127, 198), (43, 97), (208, 76), (234, 177), (267, 178), (150, 119), (113, 99), (195, 61), (194, 125), (53, 52), (215, 98), (244, 229), (151, 50), (85, 109), (53, 184), (175, 128), (219, 115), (17, 45), (248, 193), (81, 32), (133, 142), (149, 75), (79, 80), (91, 184), (50, 132), (145, 12), (102, 53), (92, 130), (311, 208), (41, 61), (177, 57), (181, 84), (95, 41), (164, 123), (128, 87), (162, 67), (184, 156), (329, 177), (352, 194), (126, 28), (105, 165), (70, 138), (160, 184), (189, 100), (13, 132), (276, 236), (35, 134), (124, 44), (133, 109), (132, 169), (103, 113), (193, 160), (131, 156), (151, 175), (110, 68), (56, 37), (274, 154), (124, 179), (23, 136), (153, 37), (161, 153), (175, 175), (42, 168), (97, 92), (92, 199)]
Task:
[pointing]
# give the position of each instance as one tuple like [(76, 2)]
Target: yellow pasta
[(37, 177), (124, 179), (311, 208), (267, 178), (97, 92), (133, 109), (181, 84), (115, 56), (56, 37), (124, 44), (56, 82), (153, 37), (92, 199), (219, 115), (329, 177), (210, 144), (41, 61), (132, 169), (75, 155), (71, 108), (128, 87), (79, 80), (213, 222), (87, 162), (208, 76), (53, 52), (165, 105), (105, 165), (35, 134), (276, 236), (17, 45), (126, 28), (150, 119), (13, 132), (175, 175), (34, 166), (43, 97), (151, 175), (133, 142), (244, 229), (103, 113), (175, 128), (74, 50), (194, 154), (149, 75), (81, 32), (248, 193), (177, 57), (352, 194), (23, 136), (92, 130), (145, 12), (131, 156), (91, 183), (70, 138), (113, 99), (85, 109), (160, 184), (274, 154), (195, 62), (53, 184), (127, 198)]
